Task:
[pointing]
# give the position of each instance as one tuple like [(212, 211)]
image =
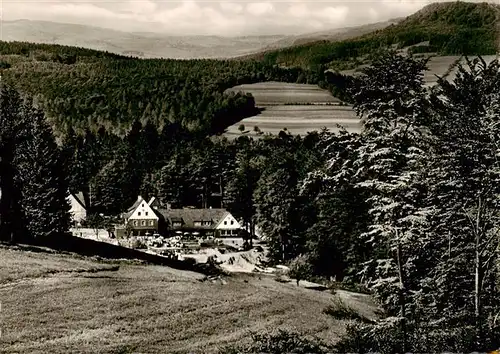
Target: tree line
[(427, 165)]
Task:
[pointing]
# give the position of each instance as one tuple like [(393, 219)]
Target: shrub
[(190, 261), (138, 244), (4, 65), (341, 311), (241, 128), (280, 341), (300, 268)]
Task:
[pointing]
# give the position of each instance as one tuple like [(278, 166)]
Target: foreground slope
[(58, 304), (443, 28)]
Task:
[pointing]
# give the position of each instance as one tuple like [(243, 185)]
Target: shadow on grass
[(91, 248)]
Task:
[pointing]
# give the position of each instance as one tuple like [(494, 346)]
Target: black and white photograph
[(249, 176)]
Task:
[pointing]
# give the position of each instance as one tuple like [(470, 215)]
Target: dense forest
[(452, 28), (80, 88)]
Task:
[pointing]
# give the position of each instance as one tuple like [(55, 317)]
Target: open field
[(299, 108), (304, 108), (59, 304), (438, 65), (441, 65), (299, 120), (280, 93)]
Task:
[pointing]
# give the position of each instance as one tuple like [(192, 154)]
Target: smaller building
[(78, 209), (143, 219)]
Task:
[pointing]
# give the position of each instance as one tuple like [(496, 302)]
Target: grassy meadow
[(53, 303)]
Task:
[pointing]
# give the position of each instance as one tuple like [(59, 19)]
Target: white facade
[(228, 223), (143, 212), (78, 211), (228, 226)]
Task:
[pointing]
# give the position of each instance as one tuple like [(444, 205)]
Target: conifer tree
[(41, 181), (10, 124)]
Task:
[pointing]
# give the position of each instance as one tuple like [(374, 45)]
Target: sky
[(204, 17)]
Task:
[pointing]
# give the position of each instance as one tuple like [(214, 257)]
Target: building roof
[(79, 198), (188, 217), (131, 210)]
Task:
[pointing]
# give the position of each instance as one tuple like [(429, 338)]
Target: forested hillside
[(443, 28), (81, 88)]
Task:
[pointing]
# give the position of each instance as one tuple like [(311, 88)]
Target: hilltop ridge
[(450, 28)]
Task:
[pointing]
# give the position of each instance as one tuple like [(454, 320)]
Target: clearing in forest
[(298, 108)]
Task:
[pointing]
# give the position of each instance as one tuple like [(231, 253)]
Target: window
[(139, 214), (151, 222), (232, 222), (146, 213), (136, 223), (143, 223), (143, 205), (225, 222), (197, 223), (207, 223), (177, 224)]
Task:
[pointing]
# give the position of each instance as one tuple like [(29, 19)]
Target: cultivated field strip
[(447, 65), (302, 108), (299, 108), (437, 65), (275, 93)]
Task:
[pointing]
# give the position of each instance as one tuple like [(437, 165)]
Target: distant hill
[(451, 28), (337, 34), (147, 45), (156, 45)]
